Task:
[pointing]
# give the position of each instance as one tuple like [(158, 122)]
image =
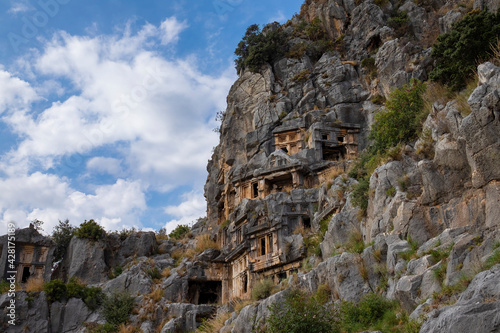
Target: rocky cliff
[(282, 205)]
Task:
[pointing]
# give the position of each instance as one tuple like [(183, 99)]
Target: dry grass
[(495, 48), (203, 242), (435, 92), (214, 324), (127, 329), (462, 97), (240, 304), (34, 284), (166, 273), (157, 294)]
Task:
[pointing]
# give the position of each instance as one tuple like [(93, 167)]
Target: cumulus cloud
[(14, 92), (107, 165), (171, 29), (153, 113), (50, 198), (189, 210)]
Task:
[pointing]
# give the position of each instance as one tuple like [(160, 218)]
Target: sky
[(107, 108)]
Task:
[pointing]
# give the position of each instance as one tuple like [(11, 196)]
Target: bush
[(262, 289), (93, 297), (403, 118), (117, 308), (90, 230), (360, 194), (300, 312), (179, 232), (55, 290), (61, 235), (258, 47), (370, 310), (458, 52), (154, 273)]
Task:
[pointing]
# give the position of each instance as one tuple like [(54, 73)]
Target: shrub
[(55, 290), (74, 288), (61, 235), (370, 310), (369, 64), (154, 273), (90, 230), (179, 232), (93, 297), (355, 243), (301, 77), (4, 286), (258, 47), (262, 289), (458, 52), (117, 308), (402, 120), (300, 312), (400, 22), (360, 194)]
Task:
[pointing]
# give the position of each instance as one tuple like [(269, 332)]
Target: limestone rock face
[(85, 260)]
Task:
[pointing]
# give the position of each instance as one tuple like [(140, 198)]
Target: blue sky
[(107, 108)]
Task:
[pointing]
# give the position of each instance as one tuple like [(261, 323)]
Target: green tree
[(61, 235), (458, 52), (90, 230), (258, 47)]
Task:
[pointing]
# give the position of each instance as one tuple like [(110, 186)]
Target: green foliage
[(90, 230), (391, 191), (74, 288), (93, 297), (323, 224), (4, 286), (61, 235), (409, 254), (493, 259), (154, 273), (55, 290), (302, 77), (369, 64), (179, 232), (402, 120), (300, 312), (117, 308), (370, 311), (315, 31), (262, 289), (258, 47), (400, 22), (355, 243), (458, 52), (323, 294), (312, 244), (100, 328), (360, 194)]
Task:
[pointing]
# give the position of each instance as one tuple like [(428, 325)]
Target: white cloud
[(279, 17), (14, 92), (49, 198), (20, 7), (153, 113), (107, 165), (193, 207), (171, 29)]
